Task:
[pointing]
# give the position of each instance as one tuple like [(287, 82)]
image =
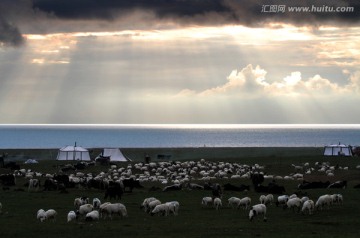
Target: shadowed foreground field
[(18, 217)]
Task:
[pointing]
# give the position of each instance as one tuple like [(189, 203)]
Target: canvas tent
[(114, 154), (73, 153), (338, 150)]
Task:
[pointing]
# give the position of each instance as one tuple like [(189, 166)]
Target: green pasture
[(18, 217)]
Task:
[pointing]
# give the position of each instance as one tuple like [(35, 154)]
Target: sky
[(179, 62)]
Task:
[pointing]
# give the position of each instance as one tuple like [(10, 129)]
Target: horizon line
[(192, 125)]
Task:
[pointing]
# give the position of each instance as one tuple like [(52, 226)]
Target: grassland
[(18, 218)]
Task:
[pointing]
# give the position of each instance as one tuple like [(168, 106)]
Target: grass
[(18, 218)]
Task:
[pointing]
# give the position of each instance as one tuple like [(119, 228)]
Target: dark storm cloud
[(246, 12), (107, 9), (9, 34), (39, 16)]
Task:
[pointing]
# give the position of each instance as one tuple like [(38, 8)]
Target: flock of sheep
[(303, 204), (185, 172), (93, 212), (85, 210)]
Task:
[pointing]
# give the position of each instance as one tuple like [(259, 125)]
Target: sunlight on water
[(177, 135)]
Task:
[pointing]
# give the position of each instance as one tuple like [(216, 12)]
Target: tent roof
[(113, 153), (73, 153), (338, 150), (338, 145), (73, 148)]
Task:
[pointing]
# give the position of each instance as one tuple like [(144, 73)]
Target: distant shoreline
[(175, 153)]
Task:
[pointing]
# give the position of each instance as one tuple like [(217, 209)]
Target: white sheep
[(71, 216), (262, 199), (337, 199), (80, 201), (161, 209), (308, 206), (245, 202), (51, 214), (92, 216), (34, 184), (104, 205), (173, 207), (323, 201), (304, 199), (293, 196), (96, 203), (206, 201), (257, 209), (217, 203), (234, 202), (41, 215), (268, 199), (294, 203), (153, 204), (145, 204), (114, 208), (84, 209), (282, 200)]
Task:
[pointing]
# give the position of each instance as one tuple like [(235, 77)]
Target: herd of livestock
[(177, 176)]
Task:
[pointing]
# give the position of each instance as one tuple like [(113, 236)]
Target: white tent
[(338, 150), (114, 154), (73, 153)]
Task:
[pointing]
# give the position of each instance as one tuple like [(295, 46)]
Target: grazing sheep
[(337, 199), (102, 207), (96, 203), (161, 209), (217, 203), (304, 199), (145, 204), (292, 196), (80, 201), (50, 214), (41, 215), (77, 203), (153, 204), (323, 200), (293, 203), (34, 184), (84, 209), (282, 200), (194, 186), (262, 199), (206, 201), (268, 199), (245, 202), (114, 208), (71, 216), (234, 202), (257, 209), (92, 216), (173, 207), (308, 206)]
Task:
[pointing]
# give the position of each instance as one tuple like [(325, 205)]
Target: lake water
[(147, 136)]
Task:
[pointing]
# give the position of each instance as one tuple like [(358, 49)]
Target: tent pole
[(74, 151)]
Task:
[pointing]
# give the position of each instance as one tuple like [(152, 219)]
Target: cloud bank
[(251, 80)]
